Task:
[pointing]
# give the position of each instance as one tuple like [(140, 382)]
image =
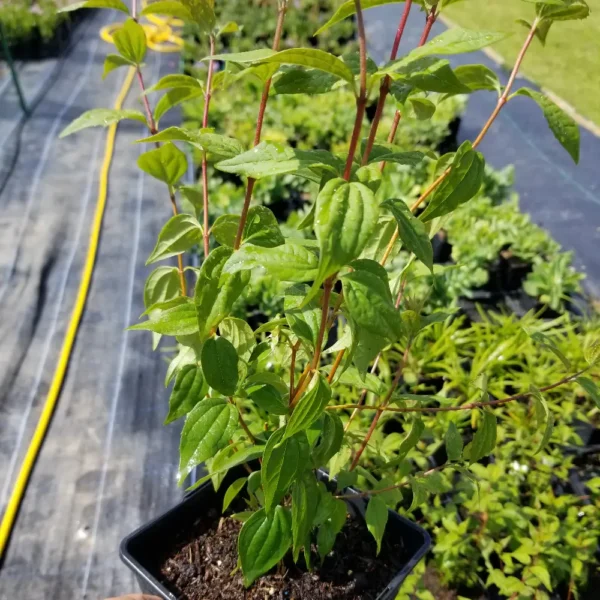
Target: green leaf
[(114, 61), (348, 8), (173, 98), (216, 290), (202, 12), (190, 388), (390, 153), (169, 8), (186, 355), (376, 518), (262, 229), (290, 262), (240, 334), (591, 388), (566, 10), (305, 496), (101, 117), (454, 443), (325, 540), (368, 345), (178, 320), (267, 377), (250, 56), (546, 342), (351, 376), (431, 74), (463, 182), (232, 491), (207, 429), (217, 146), (330, 440), (419, 492), (225, 229), (543, 575), (229, 27), (346, 216), (369, 303), (264, 540), (422, 108), (175, 80), (310, 407), (411, 440), (116, 4), (179, 234), (283, 460), (591, 349), (162, 285), (453, 41), (220, 365), (231, 456), (484, 439), (304, 321), (562, 125), (130, 41), (304, 81), (313, 58), (167, 163), (544, 417), (191, 201), (412, 231), (268, 398), (269, 158), (478, 77)]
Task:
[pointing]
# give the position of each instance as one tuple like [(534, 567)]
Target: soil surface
[(200, 567)]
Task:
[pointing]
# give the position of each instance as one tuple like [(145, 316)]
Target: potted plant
[(267, 409)]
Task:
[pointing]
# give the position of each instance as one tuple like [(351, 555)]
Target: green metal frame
[(13, 71)]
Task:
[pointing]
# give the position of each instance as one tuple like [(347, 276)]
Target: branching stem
[(501, 102), (469, 406), (389, 488)]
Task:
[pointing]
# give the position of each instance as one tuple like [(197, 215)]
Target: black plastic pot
[(143, 550)]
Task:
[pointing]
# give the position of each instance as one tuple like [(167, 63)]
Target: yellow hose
[(59, 374), (159, 33), (161, 38)]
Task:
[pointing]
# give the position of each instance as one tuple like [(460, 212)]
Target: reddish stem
[(293, 368), (361, 100), (469, 406), (207, 97), (328, 286), (258, 130), (385, 86), (151, 122), (381, 409)]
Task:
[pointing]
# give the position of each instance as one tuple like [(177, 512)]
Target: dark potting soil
[(202, 566)]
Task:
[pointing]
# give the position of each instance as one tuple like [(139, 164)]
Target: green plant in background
[(277, 391), (19, 19), (554, 281)]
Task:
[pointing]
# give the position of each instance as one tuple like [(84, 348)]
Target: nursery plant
[(280, 398)]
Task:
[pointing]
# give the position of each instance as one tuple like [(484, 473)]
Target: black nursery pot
[(143, 550)]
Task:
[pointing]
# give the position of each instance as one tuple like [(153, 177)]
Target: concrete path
[(561, 197), (107, 464)]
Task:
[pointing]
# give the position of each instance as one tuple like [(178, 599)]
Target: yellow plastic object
[(20, 485), (160, 36)]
